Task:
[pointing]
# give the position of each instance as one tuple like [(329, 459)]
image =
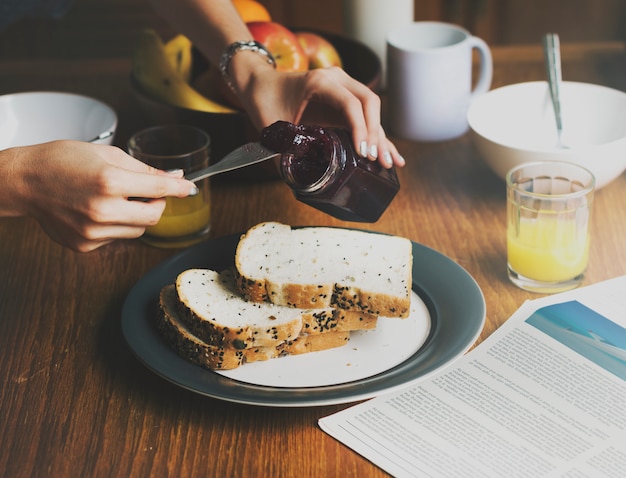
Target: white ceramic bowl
[(41, 116), (515, 124)]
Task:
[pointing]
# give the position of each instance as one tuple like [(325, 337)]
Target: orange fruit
[(252, 11)]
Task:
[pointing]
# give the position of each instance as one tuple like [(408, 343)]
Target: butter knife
[(246, 155)]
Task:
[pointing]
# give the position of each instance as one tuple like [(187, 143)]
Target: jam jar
[(325, 172)]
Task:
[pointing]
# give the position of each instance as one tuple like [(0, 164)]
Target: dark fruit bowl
[(359, 61), (230, 130)]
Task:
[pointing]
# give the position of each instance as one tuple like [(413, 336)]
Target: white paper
[(543, 396)]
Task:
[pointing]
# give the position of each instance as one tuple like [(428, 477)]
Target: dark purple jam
[(309, 145), (325, 172)]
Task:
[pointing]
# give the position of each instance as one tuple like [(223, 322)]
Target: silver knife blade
[(246, 155)]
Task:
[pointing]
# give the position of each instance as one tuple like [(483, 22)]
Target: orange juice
[(548, 249), (185, 221), (182, 217), (548, 213)]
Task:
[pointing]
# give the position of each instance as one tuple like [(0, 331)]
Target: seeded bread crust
[(269, 254), (211, 307), (320, 321), (191, 348)]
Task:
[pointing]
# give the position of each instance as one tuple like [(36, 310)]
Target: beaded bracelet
[(232, 49)]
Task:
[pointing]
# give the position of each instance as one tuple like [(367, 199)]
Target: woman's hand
[(323, 97), (326, 96), (79, 192)]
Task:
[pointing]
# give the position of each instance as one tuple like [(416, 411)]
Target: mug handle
[(485, 73)]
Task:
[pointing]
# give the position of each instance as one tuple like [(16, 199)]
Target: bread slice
[(318, 267), (213, 310), (320, 321), (191, 348)]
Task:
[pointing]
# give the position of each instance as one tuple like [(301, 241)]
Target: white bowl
[(41, 116), (515, 124)]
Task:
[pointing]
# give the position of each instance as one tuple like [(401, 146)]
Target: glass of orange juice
[(548, 217), (185, 221)]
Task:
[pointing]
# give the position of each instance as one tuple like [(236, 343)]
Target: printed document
[(543, 396)]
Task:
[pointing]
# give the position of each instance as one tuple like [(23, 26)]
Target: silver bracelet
[(232, 49)]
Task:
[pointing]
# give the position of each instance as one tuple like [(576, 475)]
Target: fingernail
[(363, 149), (402, 160), (387, 157), (174, 172), (194, 191), (374, 151)]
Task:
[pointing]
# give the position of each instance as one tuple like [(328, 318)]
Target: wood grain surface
[(74, 401)]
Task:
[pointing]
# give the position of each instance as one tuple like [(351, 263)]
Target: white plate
[(368, 353), (448, 314)]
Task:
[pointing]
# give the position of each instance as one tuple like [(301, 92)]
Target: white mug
[(429, 79), (369, 21)]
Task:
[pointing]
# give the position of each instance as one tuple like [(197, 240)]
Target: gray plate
[(454, 300)]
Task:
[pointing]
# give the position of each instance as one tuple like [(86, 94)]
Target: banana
[(156, 75), (178, 51)]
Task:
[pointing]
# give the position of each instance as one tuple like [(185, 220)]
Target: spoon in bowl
[(552, 54), (101, 136)]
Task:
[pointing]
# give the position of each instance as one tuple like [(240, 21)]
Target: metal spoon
[(101, 136), (552, 54)]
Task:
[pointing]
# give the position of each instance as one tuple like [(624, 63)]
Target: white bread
[(318, 267), (215, 312), (212, 309), (191, 348), (318, 321)]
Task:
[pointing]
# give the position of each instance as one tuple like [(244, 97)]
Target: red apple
[(282, 43), (321, 52)]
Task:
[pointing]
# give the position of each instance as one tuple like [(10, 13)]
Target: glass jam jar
[(325, 172)]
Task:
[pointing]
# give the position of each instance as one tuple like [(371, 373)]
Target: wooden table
[(74, 400)]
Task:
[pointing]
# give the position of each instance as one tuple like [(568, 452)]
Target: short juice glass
[(548, 217), (185, 221)]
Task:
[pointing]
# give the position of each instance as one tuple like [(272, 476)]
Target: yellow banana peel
[(156, 75), (178, 52)]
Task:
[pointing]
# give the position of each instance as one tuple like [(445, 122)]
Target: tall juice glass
[(185, 221), (548, 217)]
